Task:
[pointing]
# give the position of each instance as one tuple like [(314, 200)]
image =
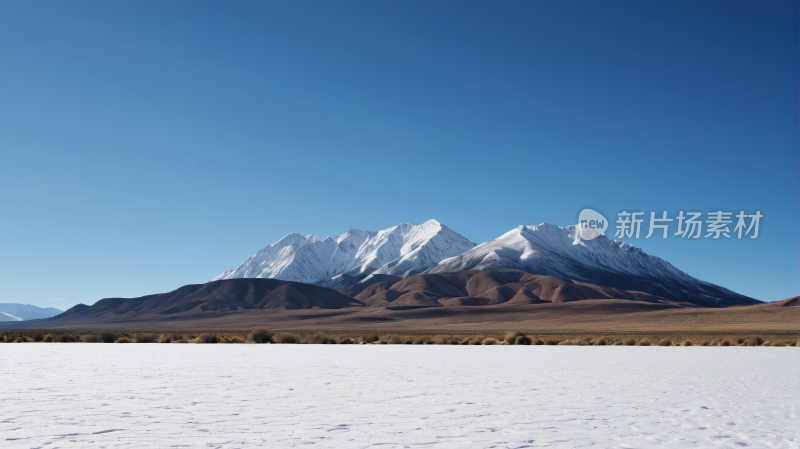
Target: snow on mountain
[(337, 262), (561, 252), (22, 312), (9, 317)]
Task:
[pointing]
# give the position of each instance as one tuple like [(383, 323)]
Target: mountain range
[(360, 257), (419, 266)]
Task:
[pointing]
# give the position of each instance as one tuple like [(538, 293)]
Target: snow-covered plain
[(232, 396)]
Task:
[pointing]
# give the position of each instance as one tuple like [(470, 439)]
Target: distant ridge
[(22, 312)]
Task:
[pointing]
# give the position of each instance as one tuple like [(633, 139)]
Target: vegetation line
[(266, 336)]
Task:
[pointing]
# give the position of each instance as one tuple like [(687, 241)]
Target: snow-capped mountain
[(337, 262), (561, 252), (22, 312)]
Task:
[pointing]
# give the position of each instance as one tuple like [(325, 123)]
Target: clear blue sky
[(145, 145)]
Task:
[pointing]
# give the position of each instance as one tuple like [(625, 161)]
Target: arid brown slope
[(791, 302), (593, 316), (218, 296), (482, 288)]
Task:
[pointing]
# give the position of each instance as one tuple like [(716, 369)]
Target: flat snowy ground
[(183, 395)]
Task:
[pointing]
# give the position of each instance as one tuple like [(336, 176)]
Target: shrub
[(553, 342), (511, 337), (466, 341), (164, 339), (522, 340), (207, 338), (705, 343), (394, 340), (3, 339), (477, 340), (38, 337), (48, 338), (490, 341), (371, 338), (739, 341), (725, 343), (777, 343), (421, 341), (539, 342), (66, 338), (146, 338), (599, 341), (286, 339), (665, 342), (123, 340), (629, 342), (91, 338), (317, 339), (440, 340), (107, 337), (644, 343), (261, 335), (21, 339), (235, 340), (346, 341), (687, 343)]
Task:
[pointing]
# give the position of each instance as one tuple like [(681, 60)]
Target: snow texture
[(403, 250), (358, 396)]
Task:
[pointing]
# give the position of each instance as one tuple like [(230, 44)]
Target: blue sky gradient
[(146, 145)]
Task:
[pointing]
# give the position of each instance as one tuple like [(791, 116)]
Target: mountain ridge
[(223, 296)]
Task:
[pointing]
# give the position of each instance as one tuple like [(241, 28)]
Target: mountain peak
[(345, 259)]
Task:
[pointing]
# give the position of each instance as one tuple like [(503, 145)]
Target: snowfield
[(235, 396)]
